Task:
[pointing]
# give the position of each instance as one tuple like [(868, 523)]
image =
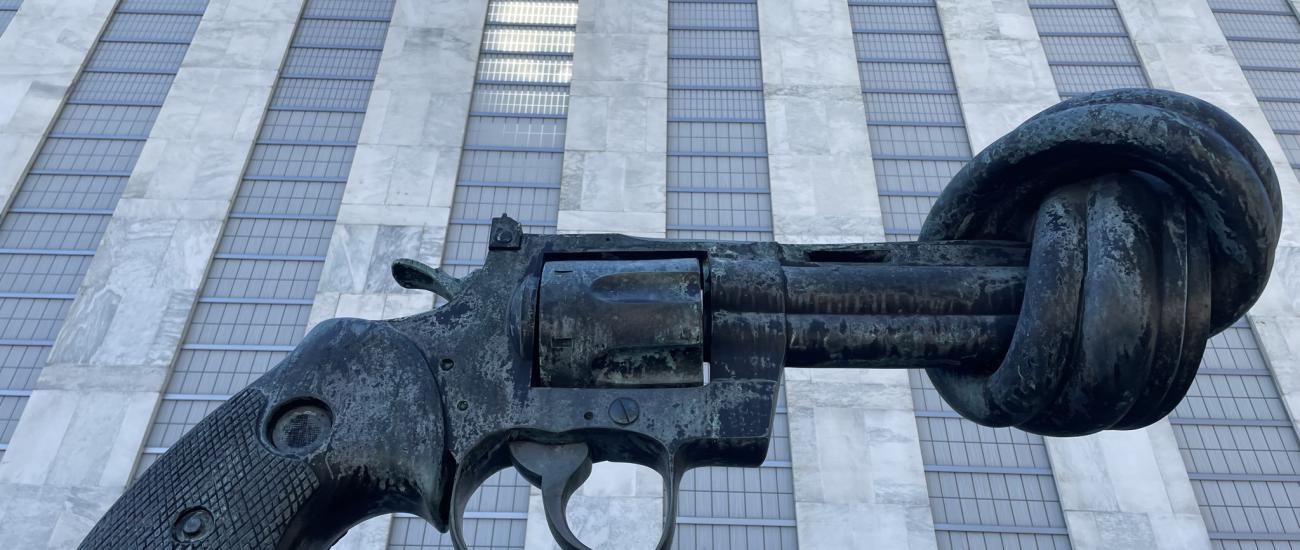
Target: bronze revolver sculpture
[(1065, 282)]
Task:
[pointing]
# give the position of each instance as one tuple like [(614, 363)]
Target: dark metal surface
[(1068, 281)]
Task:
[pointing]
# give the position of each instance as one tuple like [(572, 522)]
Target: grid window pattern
[(64, 202), (514, 143), (7, 10), (1265, 37), (718, 189), (717, 139), (1088, 48), (918, 136), (257, 294), (1240, 447), (989, 488)]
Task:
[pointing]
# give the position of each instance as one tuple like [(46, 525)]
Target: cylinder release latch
[(621, 323)]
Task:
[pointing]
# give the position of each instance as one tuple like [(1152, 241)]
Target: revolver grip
[(349, 426)]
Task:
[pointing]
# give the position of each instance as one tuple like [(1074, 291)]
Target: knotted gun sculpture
[(1065, 283)]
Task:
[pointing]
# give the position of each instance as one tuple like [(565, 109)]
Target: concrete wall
[(819, 157), (858, 481), (399, 194), (615, 171), (1117, 489), (41, 52), (75, 448), (998, 63)]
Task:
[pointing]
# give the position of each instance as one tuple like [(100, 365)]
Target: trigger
[(558, 470)]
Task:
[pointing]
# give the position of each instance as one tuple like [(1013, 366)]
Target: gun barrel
[(900, 316)]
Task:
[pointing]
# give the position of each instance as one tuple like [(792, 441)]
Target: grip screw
[(462, 405), (301, 427), (448, 364), (193, 525), (624, 411)]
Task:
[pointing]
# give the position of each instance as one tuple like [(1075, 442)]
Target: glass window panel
[(715, 104), (913, 19), (717, 138), (520, 100), (715, 73), (349, 9), (321, 94), (305, 198), (341, 34), (300, 161), (74, 192), (219, 372), (901, 47), (148, 27), (516, 132), (105, 120), (1089, 49), (906, 77), (121, 89), (262, 279), (276, 237), (247, 324), (1068, 20), (717, 15), (137, 56), (919, 141), (524, 70), (1075, 79), (1275, 84), (41, 274), (31, 318), (311, 127), (164, 6), (112, 156), (512, 167), (1267, 54), (331, 63), (19, 367), (533, 12), (914, 108), (525, 40), (1247, 26), (713, 44), (52, 231)]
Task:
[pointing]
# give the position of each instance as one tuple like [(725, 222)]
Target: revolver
[(1065, 282)]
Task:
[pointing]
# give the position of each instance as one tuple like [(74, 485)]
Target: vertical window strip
[(1238, 442), (1240, 448), (513, 154), (7, 10), (511, 163), (1088, 47), (64, 202), (1265, 38), (255, 299), (717, 189), (989, 488), (718, 186)]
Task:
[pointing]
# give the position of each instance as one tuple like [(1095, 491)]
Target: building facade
[(189, 185)]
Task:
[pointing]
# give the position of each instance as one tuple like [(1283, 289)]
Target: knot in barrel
[(1153, 219)]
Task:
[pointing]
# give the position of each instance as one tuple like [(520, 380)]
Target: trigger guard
[(672, 478), (466, 481)]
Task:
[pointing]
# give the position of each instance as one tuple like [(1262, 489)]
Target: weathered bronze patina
[(1065, 283)]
